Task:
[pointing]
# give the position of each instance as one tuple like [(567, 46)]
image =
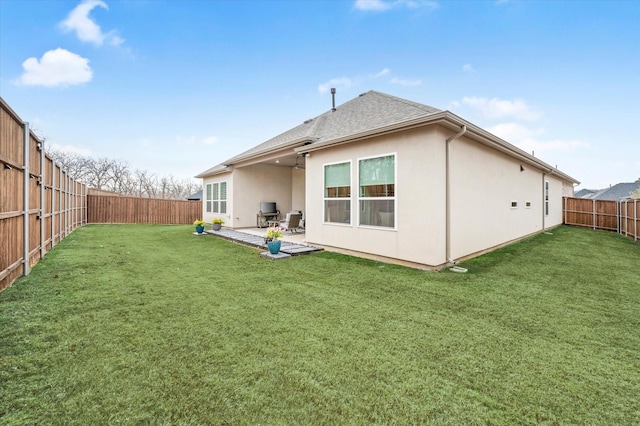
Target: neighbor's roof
[(616, 192), (195, 196)]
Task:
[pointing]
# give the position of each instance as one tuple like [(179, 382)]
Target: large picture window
[(337, 193), (377, 197), (216, 197)]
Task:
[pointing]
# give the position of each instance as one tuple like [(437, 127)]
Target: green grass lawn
[(141, 324)]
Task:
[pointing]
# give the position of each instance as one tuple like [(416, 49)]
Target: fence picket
[(616, 216)]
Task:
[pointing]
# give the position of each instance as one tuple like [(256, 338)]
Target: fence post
[(53, 204), (43, 189), (594, 214), (60, 204), (635, 220), (25, 193)]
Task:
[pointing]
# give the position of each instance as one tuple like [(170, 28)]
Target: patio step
[(290, 249)]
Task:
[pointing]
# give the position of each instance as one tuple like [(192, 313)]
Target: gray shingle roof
[(195, 196), (616, 192), (370, 110), (584, 193)]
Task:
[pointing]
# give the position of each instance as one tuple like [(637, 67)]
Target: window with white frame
[(208, 199), (546, 198), (376, 183), (337, 193), (216, 197), (223, 197)]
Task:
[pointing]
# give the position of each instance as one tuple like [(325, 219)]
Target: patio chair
[(291, 222)]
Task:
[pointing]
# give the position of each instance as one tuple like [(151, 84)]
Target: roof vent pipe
[(333, 99)]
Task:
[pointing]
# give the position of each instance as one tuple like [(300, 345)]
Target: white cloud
[(195, 140), (70, 149), (468, 68), (500, 108), (210, 140), (406, 82), (533, 140), (372, 5), (382, 73), (343, 82), (347, 82), (85, 28), (57, 67), (384, 5)]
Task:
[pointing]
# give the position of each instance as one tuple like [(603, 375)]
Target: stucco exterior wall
[(484, 184), (420, 198), (208, 217), (255, 184), (297, 189), (556, 190), (494, 198)]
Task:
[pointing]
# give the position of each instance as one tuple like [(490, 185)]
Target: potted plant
[(271, 238), (199, 226), (217, 223)]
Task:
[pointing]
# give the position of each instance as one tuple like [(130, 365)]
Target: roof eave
[(268, 151), (450, 118), (217, 170)]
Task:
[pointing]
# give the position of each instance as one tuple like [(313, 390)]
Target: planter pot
[(199, 229), (274, 246), (217, 226)]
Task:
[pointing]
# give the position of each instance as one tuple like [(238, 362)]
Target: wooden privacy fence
[(622, 217), (110, 209), (39, 203)]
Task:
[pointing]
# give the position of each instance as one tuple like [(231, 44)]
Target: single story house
[(391, 179)]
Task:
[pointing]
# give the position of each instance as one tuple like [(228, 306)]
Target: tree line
[(117, 176)]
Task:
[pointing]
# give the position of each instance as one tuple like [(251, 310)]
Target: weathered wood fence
[(622, 217), (110, 209), (39, 203)]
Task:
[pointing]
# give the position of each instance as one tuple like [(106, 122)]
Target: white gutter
[(268, 150), (445, 117), (448, 193)]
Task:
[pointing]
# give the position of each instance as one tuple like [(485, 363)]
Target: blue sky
[(175, 87)]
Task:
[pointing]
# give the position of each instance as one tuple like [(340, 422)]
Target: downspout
[(448, 193)]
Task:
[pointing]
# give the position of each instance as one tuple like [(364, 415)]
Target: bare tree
[(77, 166), (116, 175), (119, 176), (147, 184)]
